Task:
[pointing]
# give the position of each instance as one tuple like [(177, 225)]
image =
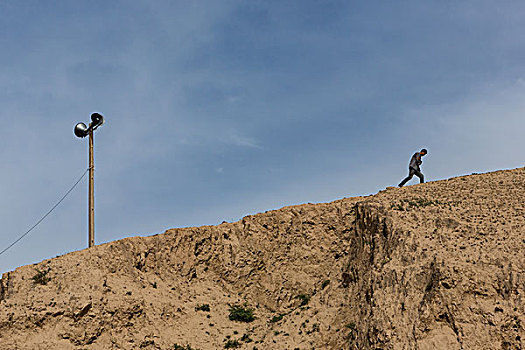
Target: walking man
[(413, 167)]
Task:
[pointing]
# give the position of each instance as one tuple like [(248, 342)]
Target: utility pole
[(91, 201), (81, 131)]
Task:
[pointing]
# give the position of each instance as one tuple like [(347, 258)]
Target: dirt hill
[(433, 266)]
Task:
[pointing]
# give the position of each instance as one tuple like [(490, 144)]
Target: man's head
[(424, 152)]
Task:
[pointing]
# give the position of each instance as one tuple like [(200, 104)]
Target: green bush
[(232, 344), (325, 284), (203, 307), (241, 313), (397, 207), (350, 325), (41, 276), (277, 318), (305, 299), (246, 338), (180, 347)]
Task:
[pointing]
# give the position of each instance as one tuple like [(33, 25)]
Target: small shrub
[(315, 328), (203, 307), (246, 338), (277, 318), (241, 313), (350, 325), (41, 276), (415, 203), (422, 202), (232, 344), (305, 299), (180, 347), (397, 207), (325, 284)]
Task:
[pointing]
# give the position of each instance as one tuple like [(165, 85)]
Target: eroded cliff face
[(433, 266), (441, 266)]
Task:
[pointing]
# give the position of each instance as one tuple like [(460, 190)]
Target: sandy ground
[(433, 266)]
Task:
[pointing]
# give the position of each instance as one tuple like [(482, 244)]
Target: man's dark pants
[(411, 173)]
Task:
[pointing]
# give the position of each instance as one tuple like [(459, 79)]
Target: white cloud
[(236, 139), (234, 99)]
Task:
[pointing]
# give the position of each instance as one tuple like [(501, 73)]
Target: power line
[(47, 214)]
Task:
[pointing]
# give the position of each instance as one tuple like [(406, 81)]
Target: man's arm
[(418, 159)]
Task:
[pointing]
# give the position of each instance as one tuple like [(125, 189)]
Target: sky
[(220, 109)]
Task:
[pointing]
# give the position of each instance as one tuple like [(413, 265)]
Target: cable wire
[(47, 214)]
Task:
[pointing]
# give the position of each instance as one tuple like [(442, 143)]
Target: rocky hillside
[(433, 266)]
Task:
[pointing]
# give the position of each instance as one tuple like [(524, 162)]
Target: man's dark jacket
[(416, 161)]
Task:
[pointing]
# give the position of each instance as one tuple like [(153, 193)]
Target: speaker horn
[(81, 130), (97, 119)]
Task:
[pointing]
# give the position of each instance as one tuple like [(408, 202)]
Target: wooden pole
[(91, 200)]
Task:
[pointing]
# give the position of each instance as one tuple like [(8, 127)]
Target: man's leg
[(411, 173), (421, 176)]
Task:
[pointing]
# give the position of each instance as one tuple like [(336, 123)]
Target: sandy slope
[(433, 266)]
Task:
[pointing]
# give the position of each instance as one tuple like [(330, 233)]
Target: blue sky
[(219, 109)]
